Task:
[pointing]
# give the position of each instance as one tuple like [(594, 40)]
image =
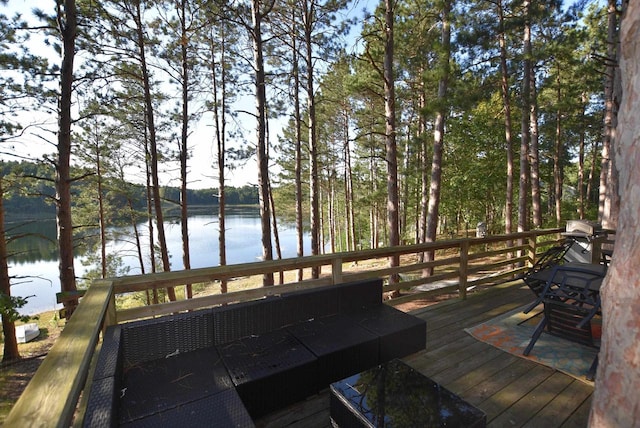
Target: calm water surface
[(39, 278)]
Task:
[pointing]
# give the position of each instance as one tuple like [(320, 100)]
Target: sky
[(201, 171)]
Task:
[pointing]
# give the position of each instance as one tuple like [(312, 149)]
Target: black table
[(396, 395)]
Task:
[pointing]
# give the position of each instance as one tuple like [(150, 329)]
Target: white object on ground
[(27, 332)]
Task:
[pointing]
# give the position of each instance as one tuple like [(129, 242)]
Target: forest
[(369, 124), (35, 198)]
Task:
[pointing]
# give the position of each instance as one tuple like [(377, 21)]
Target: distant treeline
[(29, 189)]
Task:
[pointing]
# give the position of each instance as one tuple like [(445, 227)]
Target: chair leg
[(535, 336), (530, 318), (591, 374)]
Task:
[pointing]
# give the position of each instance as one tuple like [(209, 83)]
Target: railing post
[(596, 249), (464, 263), (533, 244), (336, 270), (110, 316)]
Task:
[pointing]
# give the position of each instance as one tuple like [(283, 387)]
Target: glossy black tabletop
[(396, 395)]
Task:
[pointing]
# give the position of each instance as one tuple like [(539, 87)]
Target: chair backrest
[(579, 285), (550, 258)]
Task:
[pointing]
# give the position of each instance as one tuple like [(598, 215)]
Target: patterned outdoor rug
[(512, 332)]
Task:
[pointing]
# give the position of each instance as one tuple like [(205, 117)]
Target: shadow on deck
[(512, 391)]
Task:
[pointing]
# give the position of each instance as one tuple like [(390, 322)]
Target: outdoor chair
[(552, 257), (571, 299)]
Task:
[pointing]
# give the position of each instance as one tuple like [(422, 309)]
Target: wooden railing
[(52, 396)]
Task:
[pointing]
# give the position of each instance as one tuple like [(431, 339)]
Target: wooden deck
[(512, 391)]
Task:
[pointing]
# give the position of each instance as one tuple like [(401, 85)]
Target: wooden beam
[(50, 398)]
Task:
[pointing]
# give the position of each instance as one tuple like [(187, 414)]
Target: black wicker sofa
[(228, 365)]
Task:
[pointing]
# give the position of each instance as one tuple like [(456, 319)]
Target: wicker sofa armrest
[(102, 404)]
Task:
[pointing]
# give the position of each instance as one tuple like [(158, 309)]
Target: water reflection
[(32, 241), (395, 395), (34, 264)]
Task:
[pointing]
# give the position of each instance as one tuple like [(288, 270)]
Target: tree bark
[(611, 209), (390, 138), (101, 207), (67, 25), (534, 155), (424, 176), (184, 143), (557, 154), (374, 237), (581, 188), (349, 194), (298, 142), (308, 21), (615, 399), (438, 134), (261, 131), (10, 351), (219, 117), (153, 147), (609, 107), (526, 132), (508, 125)]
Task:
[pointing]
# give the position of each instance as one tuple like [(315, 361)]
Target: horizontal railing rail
[(51, 398)]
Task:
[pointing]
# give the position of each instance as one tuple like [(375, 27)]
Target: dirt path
[(15, 375)]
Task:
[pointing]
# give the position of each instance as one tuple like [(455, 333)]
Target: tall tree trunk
[(349, 194), (184, 140), (525, 134), (404, 200), (219, 117), (424, 173), (581, 189), (393, 200), (261, 131), (536, 201), (439, 128), (67, 26), (101, 209), (152, 245), (153, 147), (611, 209), (508, 126), (298, 142), (609, 107), (615, 398), (557, 169), (10, 351), (331, 210), (557, 155), (276, 236), (136, 234), (592, 173), (374, 238), (308, 19)]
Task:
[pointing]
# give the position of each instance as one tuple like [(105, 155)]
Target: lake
[(38, 276)]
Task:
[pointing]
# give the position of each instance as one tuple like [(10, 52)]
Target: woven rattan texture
[(150, 340), (159, 385), (222, 410)]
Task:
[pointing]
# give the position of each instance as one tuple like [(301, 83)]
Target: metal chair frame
[(570, 302)]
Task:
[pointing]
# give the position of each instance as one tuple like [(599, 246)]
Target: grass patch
[(14, 376)]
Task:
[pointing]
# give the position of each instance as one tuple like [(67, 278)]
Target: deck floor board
[(512, 391)]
